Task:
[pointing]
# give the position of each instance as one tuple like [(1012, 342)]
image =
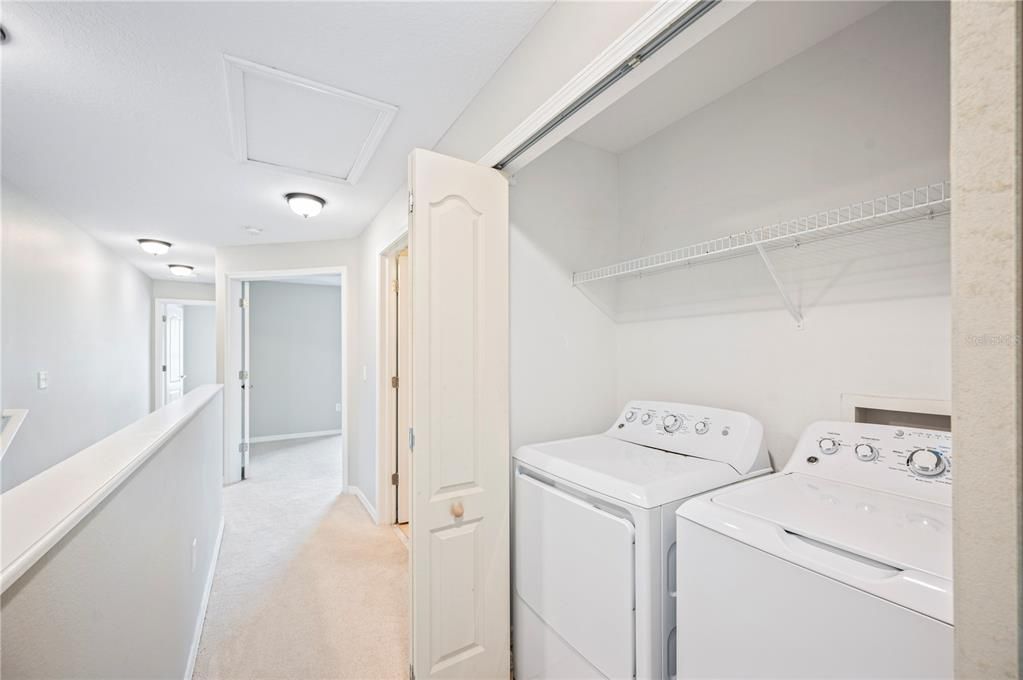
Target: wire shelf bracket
[(797, 315)]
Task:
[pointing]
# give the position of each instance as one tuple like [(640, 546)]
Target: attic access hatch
[(288, 122)]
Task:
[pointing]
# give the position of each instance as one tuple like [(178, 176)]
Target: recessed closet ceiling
[(117, 116), (755, 41)]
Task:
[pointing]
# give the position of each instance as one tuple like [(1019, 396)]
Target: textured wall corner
[(986, 328)]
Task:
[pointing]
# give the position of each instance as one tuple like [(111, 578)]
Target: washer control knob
[(866, 452), (926, 462), (672, 422), (701, 427), (827, 445), (630, 416), (647, 418)]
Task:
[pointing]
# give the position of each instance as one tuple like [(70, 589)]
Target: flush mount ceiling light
[(154, 247), (305, 205), (255, 231), (181, 269)]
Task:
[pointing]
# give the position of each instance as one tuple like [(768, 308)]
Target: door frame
[(231, 350), (159, 306), (386, 512)]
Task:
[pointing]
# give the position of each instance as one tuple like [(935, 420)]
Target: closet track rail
[(907, 206)]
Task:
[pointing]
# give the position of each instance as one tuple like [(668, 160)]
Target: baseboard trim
[(370, 510), (297, 435), (201, 619)]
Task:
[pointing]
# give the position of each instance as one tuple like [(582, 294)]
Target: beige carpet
[(306, 586)]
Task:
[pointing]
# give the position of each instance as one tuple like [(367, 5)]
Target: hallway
[(306, 585)]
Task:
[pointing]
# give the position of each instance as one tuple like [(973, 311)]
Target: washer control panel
[(702, 431), (905, 460)]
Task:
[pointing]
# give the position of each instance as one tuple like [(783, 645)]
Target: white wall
[(562, 347), (120, 595), (295, 358), (183, 290), (74, 309), (200, 345), (816, 141)]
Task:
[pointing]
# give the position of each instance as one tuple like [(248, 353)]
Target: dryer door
[(575, 568)]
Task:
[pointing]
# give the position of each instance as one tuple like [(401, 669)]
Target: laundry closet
[(760, 223)]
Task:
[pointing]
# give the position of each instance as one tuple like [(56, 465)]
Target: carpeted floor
[(306, 586)]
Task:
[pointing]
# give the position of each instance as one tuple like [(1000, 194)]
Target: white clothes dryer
[(594, 536)]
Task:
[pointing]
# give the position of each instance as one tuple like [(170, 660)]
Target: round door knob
[(630, 416), (828, 445), (701, 427), (865, 452), (647, 418), (457, 510), (926, 462), (672, 422)]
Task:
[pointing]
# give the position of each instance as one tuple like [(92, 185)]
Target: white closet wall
[(861, 114), (563, 217)]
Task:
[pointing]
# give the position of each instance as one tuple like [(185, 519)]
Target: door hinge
[(411, 439), (243, 447), (165, 318), (394, 479), (394, 286), (243, 375), (394, 381), (243, 302), (164, 368), (411, 202)]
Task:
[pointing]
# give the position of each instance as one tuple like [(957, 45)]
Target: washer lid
[(893, 547), (894, 530), (631, 473)]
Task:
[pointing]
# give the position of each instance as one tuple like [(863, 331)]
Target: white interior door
[(402, 394), (460, 464), (174, 352)]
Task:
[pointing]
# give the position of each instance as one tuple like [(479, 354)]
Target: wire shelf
[(907, 206)]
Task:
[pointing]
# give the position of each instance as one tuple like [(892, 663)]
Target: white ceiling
[(115, 114), (755, 41)]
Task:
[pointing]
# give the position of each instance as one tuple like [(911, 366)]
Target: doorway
[(185, 348), (396, 294), (285, 340)]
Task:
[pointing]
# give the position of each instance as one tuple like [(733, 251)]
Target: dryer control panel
[(702, 431), (905, 460)]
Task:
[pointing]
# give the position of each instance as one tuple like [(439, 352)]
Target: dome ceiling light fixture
[(153, 246), (306, 205), (181, 269)]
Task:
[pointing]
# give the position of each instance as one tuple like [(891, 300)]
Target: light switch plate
[(42, 380), (337, 407)]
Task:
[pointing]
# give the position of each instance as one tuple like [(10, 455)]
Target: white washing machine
[(594, 536), (840, 566)]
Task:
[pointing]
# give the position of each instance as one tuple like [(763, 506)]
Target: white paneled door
[(458, 234), (174, 352)]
